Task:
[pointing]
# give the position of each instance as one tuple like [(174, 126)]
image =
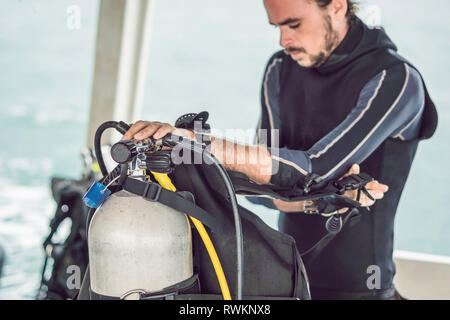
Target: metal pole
[(123, 38)]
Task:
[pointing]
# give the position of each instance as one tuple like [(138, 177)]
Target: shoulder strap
[(154, 192)]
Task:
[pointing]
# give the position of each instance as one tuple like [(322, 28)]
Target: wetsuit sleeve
[(390, 105), (267, 132)]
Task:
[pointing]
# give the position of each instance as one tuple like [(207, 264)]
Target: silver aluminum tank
[(138, 244)]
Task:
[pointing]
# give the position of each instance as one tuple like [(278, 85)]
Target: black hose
[(199, 148), (237, 224), (121, 126), (98, 144), (123, 173)]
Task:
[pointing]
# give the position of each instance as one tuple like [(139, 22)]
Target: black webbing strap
[(154, 192), (184, 290), (309, 255), (184, 297), (189, 285)]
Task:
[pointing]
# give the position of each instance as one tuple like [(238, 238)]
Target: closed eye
[(294, 26)]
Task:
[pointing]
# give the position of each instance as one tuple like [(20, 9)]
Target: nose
[(285, 37)]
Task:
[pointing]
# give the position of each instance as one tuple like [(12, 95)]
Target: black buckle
[(310, 180), (155, 196), (353, 182), (310, 207)]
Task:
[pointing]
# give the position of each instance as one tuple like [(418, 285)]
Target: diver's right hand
[(154, 129)]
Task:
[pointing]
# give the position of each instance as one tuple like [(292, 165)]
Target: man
[(337, 94)]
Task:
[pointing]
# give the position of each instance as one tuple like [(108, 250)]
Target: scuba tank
[(136, 244)]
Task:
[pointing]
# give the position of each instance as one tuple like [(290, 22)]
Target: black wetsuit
[(365, 105)]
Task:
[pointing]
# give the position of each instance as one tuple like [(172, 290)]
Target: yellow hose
[(166, 183)]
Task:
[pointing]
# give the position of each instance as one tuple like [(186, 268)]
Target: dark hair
[(351, 8)]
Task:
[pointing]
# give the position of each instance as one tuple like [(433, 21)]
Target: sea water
[(204, 55)]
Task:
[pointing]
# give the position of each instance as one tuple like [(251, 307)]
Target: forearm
[(254, 161)]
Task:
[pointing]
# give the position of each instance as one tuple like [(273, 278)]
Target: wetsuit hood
[(359, 41)]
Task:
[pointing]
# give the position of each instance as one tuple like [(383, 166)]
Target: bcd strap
[(188, 289), (155, 193), (188, 286), (312, 253), (332, 193)]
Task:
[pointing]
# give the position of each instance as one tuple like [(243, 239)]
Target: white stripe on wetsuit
[(407, 110)]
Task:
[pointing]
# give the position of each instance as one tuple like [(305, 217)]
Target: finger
[(134, 129), (354, 169), (375, 185), (164, 129), (366, 201), (377, 194), (148, 131), (351, 194), (184, 133)]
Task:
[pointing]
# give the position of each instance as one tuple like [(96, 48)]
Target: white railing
[(422, 276)]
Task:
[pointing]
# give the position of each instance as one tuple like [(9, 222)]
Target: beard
[(330, 43)]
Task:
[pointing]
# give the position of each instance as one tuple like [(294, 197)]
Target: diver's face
[(306, 30)]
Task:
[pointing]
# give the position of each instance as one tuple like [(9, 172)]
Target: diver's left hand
[(375, 188), (154, 129)]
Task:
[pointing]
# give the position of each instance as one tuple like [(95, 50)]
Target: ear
[(339, 8)]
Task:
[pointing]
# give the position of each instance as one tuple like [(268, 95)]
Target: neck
[(341, 33)]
